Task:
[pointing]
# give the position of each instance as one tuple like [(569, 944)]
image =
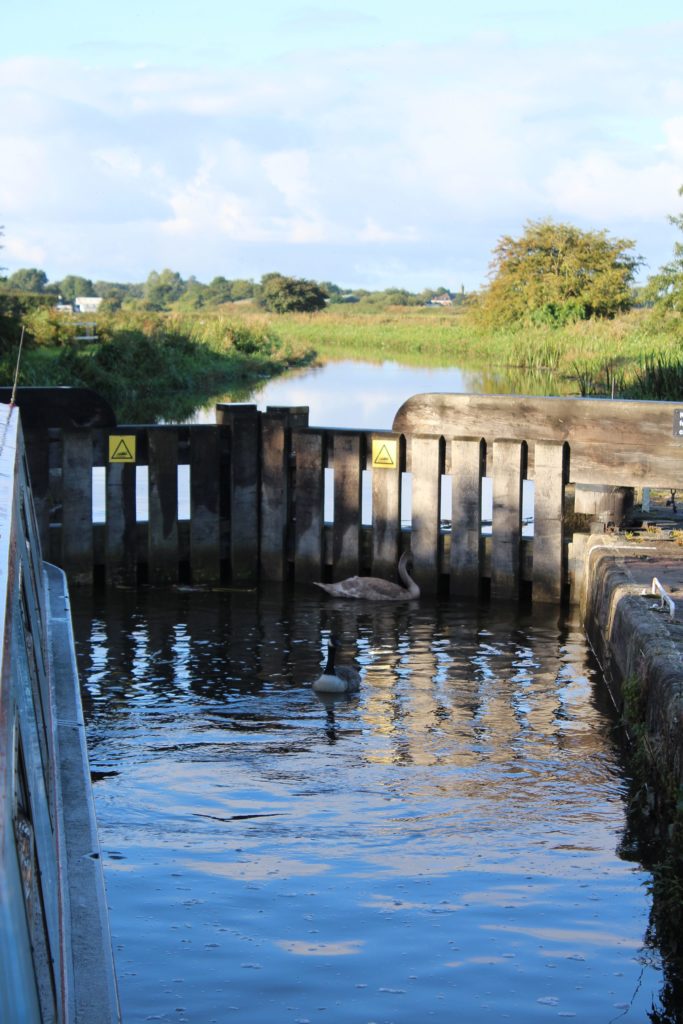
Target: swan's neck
[(407, 580)]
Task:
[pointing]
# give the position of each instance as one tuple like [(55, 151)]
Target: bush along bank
[(156, 370)]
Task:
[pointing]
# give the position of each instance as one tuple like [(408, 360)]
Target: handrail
[(657, 588)]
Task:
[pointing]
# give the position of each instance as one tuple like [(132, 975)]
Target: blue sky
[(388, 143)]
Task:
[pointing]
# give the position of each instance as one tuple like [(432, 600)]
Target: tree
[(32, 280), (219, 291), (241, 289), (282, 294), (665, 289), (555, 274), (163, 289), (73, 285)]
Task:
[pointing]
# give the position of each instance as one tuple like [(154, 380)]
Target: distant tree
[(195, 294), (26, 280), (163, 289), (555, 274), (665, 289), (72, 285), (218, 291), (282, 294), (241, 289)]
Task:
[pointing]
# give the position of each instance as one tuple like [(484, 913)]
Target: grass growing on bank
[(154, 367), (638, 355)]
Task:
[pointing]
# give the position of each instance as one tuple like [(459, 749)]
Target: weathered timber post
[(426, 459), (276, 452), (205, 495), (550, 474), (162, 548), (346, 460), (467, 468), (245, 446), (509, 469), (386, 503), (121, 554), (605, 505), (308, 505), (77, 528)]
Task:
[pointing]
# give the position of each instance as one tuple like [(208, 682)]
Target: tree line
[(165, 289), (551, 275)]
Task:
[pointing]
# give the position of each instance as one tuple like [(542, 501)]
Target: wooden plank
[(120, 525), (509, 463), (162, 533), (386, 510), (427, 466), (467, 466), (308, 505), (635, 441), (77, 528), (345, 460), (548, 552), (617, 464), (205, 490), (245, 448), (276, 449)]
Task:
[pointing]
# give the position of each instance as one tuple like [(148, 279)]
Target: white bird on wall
[(336, 678), (373, 588)]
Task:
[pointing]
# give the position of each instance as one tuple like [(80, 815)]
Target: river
[(445, 845)]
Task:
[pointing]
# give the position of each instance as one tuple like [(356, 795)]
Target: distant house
[(86, 304), (444, 299)]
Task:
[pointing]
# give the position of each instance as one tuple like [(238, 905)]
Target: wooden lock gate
[(266, 496)]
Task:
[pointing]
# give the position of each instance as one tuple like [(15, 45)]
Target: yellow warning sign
[(384, 453), (122, 448)]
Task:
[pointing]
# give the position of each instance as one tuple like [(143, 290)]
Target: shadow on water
[(442, 844)]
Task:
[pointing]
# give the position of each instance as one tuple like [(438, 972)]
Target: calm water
[(440, 847), (367, 396)]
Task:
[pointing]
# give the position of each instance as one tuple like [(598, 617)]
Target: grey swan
[(336, 678), (373, 588)]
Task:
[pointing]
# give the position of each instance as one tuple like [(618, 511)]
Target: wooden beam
[(345, 459), (427, 462), (205, 492), (509, 466), (77, 528), (619, 442), (162, 544), (467, 468), (308, 505), (548, 550), (386, 508)]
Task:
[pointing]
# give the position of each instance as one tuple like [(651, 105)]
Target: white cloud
[(393, 161)]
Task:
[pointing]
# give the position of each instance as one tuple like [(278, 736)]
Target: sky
[(382, 144)]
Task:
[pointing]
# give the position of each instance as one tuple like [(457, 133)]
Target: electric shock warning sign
[(384, 453), (122, 448)]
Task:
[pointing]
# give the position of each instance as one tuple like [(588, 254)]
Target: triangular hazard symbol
[(122, 452), (383, 457)]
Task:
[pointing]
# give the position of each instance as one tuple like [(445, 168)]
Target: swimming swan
[(372, 588), (336, 679)]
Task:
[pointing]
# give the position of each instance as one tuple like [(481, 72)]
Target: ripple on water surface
[(441, 846)]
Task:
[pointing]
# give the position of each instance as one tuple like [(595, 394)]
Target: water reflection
[(440, 845), (375, 391)]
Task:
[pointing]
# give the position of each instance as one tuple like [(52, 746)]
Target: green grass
[(152, 365)]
